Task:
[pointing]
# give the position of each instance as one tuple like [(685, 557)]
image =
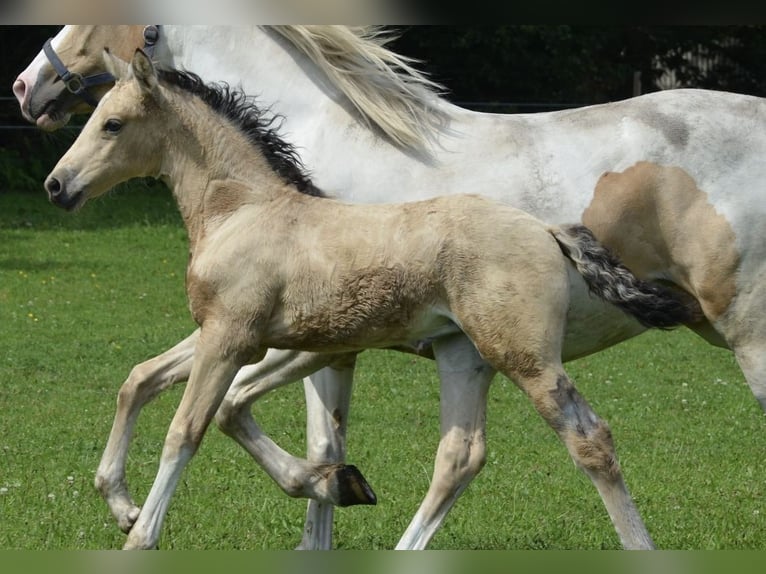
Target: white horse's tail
[(651, 304)]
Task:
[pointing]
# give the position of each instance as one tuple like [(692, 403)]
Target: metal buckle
[(151, 35), (75, 83)]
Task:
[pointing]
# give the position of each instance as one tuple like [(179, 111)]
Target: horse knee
[(146, 380), (587, 438), (477, 458), (592, 449), (227, 416), (135, 385), (461, 458), (471, 461)]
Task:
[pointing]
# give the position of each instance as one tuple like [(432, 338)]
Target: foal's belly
[(335, 334)]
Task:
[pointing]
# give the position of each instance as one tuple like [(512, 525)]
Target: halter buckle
[(75, 83), (151, 35)]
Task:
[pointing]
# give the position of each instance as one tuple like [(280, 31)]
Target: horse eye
[(112, 126)]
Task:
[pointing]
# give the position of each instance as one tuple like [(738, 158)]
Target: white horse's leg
[(333, 483), (144, 383), (328, 398), (752, 361), (211, 375), (743, 326), (465, 379)]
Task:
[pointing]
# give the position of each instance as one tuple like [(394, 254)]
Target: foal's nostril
[(53, 186)]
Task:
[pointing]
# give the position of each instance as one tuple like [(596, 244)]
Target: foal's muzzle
[(60, 196)]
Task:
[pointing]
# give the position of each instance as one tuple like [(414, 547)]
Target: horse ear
[(114, 65), (144, 71)]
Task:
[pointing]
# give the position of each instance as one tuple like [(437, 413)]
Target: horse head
[(68, 77)]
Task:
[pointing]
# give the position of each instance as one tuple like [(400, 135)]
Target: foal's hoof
[(352, 488)]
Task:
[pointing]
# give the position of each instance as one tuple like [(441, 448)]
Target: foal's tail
[(607, 278)]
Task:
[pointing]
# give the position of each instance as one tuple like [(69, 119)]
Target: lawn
[(84, 297)]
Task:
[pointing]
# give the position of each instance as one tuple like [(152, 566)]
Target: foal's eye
[(112, 126)]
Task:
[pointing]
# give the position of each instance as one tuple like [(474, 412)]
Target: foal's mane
[(242, 111), (385, 87)]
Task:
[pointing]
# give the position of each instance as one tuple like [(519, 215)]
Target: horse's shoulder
[(224, 197)]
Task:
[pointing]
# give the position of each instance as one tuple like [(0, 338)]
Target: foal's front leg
[(212, 373), (144, 383), (148, 379)]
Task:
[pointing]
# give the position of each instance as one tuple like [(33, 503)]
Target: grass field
[(84, 297)]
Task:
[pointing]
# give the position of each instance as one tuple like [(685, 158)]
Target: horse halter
[(77, 84)]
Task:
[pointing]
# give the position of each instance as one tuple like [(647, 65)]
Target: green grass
[(84, 297)]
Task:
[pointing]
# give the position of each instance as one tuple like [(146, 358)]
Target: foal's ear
[(114, 65), (143, 70)]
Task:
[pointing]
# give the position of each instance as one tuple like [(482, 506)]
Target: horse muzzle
[(48, 107), (61, 195)]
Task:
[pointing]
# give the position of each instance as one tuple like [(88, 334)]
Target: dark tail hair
[(651, 304)]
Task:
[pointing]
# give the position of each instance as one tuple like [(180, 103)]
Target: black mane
[(241, 109)]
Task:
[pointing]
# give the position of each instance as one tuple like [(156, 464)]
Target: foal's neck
[(205, 151)]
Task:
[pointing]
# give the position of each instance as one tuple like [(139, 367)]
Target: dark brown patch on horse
[(588, 439), (202, 297), (594, 451), (224, 198), (337, 418), (524, 364)]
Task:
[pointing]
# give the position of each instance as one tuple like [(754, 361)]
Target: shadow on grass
[(49, 265), (21, 264)]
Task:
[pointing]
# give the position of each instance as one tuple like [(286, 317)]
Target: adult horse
[(273, 263), (671, 181)]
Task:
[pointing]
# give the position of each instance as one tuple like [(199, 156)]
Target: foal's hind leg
[(590, 444), (145, 382), (335, 483), (465, 379)]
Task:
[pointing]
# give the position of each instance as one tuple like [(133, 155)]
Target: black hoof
[(352, 487)]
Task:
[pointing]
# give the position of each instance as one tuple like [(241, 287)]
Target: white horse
[(671, 181), (274, 264)]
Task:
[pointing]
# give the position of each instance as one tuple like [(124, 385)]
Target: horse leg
[(465, 379), (212, 372), (335, 484), (328, 398), (751, 358), (144, 383), (590, 444), (743, 326)]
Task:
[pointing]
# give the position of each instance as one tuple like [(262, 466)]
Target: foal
[(375, 276)]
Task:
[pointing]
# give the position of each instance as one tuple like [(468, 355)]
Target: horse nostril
[(19, 90), (53, 186)]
